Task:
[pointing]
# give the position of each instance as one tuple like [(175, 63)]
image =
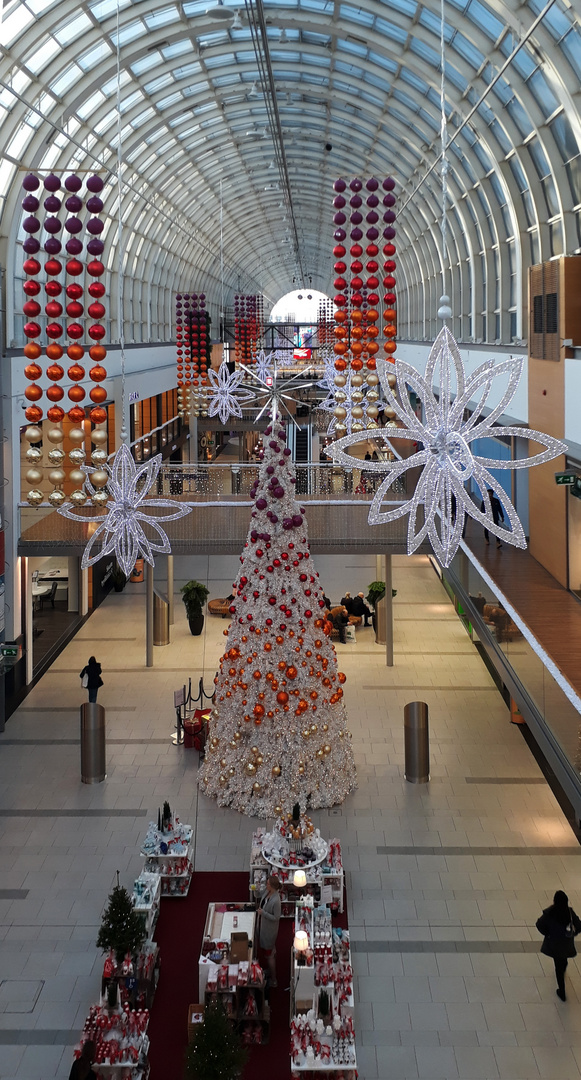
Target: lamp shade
[(301, 941), (299, 879)]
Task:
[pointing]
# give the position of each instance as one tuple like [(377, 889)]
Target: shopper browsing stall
[(268, 915)]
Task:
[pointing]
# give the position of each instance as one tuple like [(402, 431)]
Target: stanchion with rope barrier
[(192, 717)]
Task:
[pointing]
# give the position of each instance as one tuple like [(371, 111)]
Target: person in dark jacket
[(497, 513), (93, 672), (359, 607), (559, 924), (81, 1067), (347, 602), (340, 618)]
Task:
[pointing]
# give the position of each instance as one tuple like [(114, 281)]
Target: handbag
[(85, 681), (570, 929)]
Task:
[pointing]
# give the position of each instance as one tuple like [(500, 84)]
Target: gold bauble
[(372, 395), (99, 436), (57, 497), (231, 771), (301, 769), (57, 477), (340, 396), (341, 733), (33, 476), (250, 768), (276, 770), (34, 497), (259, 759), (99, 498), (77, 435), (78, 497), (33, 454), (222, 780), (233, 743), (325, 727), (256, 787), (314, 729), (56, 456), (305, 733), (237, 734), (357, 412), (223, 763), (99, 457), (357, 396), (76, 476), (327, 748), (372, 411), (33, 434), (99, 478), (320, 753), (392, 381), (215, 712), (254, 750), (278, 810), (339, 380), (339, 412), (77, 456), (55, 435), (372, 378), (356, 380), (340, 430), (390, 413), (357, 425)]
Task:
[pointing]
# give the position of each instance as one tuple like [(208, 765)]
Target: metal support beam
[(170, 587), (148, 615), (388, 614)]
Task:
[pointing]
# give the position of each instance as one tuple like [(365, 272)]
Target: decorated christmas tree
[(278, 732), (122, 928)]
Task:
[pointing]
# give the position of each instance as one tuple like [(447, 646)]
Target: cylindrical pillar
[(417, 742), (380, 621), (388, 614), (148, 615), (160, 620), (92, 743), (170, 588)]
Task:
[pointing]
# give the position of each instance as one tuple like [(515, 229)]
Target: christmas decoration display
[(122, 930), (131, 526), (226, 392), (446, 460), (216, 1051), (193, 353), (248, 327), (74, 329), (120, 1040), (357, 299), (279, 729)]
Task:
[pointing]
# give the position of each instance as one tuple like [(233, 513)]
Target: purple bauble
[(30, 182), (339, 235), (73, 182), (356, 234), (74, 204), (52, 225), (286, 451), (267, 430), (372, 184), (95, 226), (389, 217), (274, 518), (95, 184), (372, 217), (355, 201), (372, 233), (31, 245), (278, 492), (73, 225), (355, 184), (52, 246), (52, 204), (373, 200), (30, 204), (274, 446), (202, 296), (339, 218), (74, 246), (178, 295), (338, 202), (52, 182), (261, 504), (287, 523), (389, 200), (339, 185), (297, 520), (388, 183), (254, 535), (356, 217), (269, 470), (31, 224), (389, 233), (94, 204)]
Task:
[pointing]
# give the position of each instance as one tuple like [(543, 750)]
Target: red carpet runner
[(179, 935)]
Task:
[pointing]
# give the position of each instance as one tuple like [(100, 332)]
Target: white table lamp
[(299, 879)]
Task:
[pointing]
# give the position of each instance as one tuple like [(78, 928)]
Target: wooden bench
[(220, 606)]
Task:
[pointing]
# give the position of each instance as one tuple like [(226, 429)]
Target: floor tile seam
[(466, 850), (88, 813), (459, 946)]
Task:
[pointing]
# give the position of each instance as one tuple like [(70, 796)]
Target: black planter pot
[(118, 588), (196, 624)]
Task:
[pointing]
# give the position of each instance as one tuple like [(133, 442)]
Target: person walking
[(340, 618), (497, 514), (359, 607), (559, 925), (268, 915), (92, 671)]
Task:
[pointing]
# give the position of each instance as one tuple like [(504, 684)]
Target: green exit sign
[(567, 478), (8, 650)]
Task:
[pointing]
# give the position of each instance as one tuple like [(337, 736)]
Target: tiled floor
[(442, 908)]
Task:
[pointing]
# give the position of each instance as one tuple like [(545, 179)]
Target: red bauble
[(74, 291), (282, 697), (53, 267), (53, 309), (54, 330), (96, 310), (31, 266), (31, 308), (95, 269), (53, 288), (74, 309), (96, 289), (31, 329), (74, 267), (31, 288), (97, 331), (74, 330)]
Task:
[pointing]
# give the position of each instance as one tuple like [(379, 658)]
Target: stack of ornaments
[(278, 732)]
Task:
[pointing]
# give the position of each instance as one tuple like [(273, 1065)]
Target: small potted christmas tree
[(216, 1052), (122, 928)]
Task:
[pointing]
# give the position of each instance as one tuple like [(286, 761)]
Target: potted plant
[(118, 578), (122, 928), (216, 1052), (194, 596), (376, 592)]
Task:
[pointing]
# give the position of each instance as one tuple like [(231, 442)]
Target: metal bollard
[(92, 743), (417, 742), (160, 620)]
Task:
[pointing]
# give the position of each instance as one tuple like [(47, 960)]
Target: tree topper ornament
[(130, 528), (445, 456)]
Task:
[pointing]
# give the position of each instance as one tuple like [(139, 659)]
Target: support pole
[(149, 615), (388, 614), (379, 568), (170, 587), (29, 623)]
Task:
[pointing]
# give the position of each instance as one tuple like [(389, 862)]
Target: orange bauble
[(340, 348), (282, 697), (55, 414), (389, 347), (356, 316), (372, 348), (98, 394), (356, 364), (340, 316), (33, 414), (55, 372), (76, 415), (33, 372), (76, 393), (356, 348), (33, 392), (259, 710), (55, 393), (97, 353), (341, 676), (32, 351), (340, 365), (76, 372), (371, 364)]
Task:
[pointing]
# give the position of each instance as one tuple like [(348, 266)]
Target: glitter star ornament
[(264, 364), (226, 394), (130, 528), (440, 502)]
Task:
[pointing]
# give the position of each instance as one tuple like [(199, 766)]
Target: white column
[(28, 609), (73, 589), (388, 614), (149, 615), (170, 588), (84, 592)]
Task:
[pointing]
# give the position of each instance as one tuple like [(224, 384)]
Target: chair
[(50, 595)]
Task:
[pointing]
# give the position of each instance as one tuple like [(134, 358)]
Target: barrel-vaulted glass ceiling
[(357, 91)]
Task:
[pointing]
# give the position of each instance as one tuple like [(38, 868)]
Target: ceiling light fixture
[(219, 11), (253, 92), (237, 24), (282, 38)]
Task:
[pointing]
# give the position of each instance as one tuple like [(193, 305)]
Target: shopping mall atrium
[(289, 328)]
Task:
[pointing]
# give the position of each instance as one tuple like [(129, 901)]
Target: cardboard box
[(239, 949), (195, 1016)]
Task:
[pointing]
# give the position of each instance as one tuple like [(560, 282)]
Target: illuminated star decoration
[(226, 393), (264, 364), (446, 460), (130, 528), (272, 392)]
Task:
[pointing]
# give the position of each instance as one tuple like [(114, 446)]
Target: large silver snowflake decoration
[(444, 454), (263, 364), (130, 528), (226, 392)]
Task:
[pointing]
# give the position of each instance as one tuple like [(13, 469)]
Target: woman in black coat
[(93, 672), (559, 924)]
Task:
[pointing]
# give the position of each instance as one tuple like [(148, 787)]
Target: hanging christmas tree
[(279, 729)]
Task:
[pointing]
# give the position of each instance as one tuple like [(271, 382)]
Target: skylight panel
[(425, 52), (542, 93), (484, 19), (223, 60), (467, 50), (405, 99), (108, 120), (159, 84), (177, 48), (19, 141), (349, 69), (110, 87), (103, 9), (519, 117), (142, 118), (162, 17), (38, 60), (128, 102), (90, 105), (195, 7), (455, 77), (187, 71), (571, 46), (73, 29), (94, 56), (171, 99), (408, 77), (356, 15), (146, 63), (391, 31), (382, 61), (407, 7), (65, 81), (129, 33)]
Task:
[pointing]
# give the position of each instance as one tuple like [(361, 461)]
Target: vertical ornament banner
[(193, 353), (67, 279)]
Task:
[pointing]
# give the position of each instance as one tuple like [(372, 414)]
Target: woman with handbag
[(559, 924), (91, 678)]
